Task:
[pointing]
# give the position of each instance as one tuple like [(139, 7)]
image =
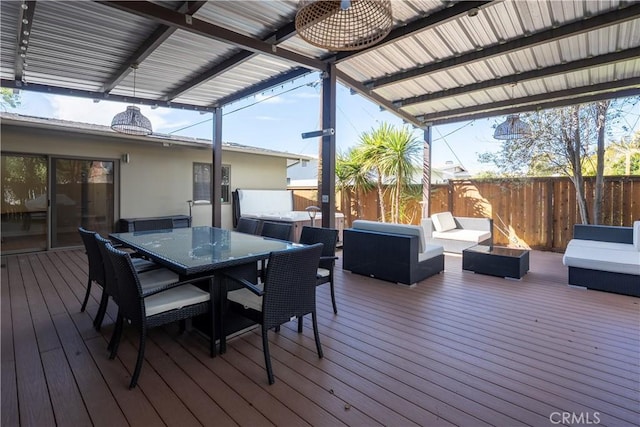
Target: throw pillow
[(443, 221)]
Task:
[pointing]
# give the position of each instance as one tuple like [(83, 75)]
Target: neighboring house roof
[(303, 173), (449, 170), (155, 138)]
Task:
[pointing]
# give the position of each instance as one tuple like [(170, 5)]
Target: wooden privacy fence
[(531, 212)]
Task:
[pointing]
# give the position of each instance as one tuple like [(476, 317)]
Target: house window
[(225, 194), (202, 182)]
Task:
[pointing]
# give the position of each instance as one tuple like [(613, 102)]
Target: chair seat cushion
[(322, 273), (143, 265), (246, 298), (475, 236), (157, 278), (430, 251), (175, 298)]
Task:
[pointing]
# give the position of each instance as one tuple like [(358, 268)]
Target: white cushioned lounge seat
[(457, 233), (605, 258)]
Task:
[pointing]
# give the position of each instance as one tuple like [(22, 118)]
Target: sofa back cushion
[(443, 221), (387, 227), (427, 228), (636, 235)]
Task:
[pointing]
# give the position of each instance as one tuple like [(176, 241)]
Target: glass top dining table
[(197, 250)]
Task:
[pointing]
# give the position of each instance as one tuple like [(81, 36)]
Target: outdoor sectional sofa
[(393, 252), (605, 258), (456, 234)]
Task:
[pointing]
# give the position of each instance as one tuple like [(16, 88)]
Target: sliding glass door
[(45, 200), (24, 203), (81, 194)]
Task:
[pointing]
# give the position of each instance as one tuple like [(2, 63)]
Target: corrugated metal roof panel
[(9, 12), (547, 54), (296, 44), (628, 34), (582, 78), (456, 38), (66, 43), (249, 73), (247, 17), (174, 63), (405, 11)]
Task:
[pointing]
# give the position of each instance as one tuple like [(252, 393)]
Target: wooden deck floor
[(457, 349)]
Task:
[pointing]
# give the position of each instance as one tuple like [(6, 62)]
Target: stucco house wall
[(157, 180)]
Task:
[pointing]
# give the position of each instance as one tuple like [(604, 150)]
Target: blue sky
[(277, 118)]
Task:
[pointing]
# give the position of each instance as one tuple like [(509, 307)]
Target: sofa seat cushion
[(391, 228), (443, 221), (604, 258), (476, 236), (636, 235), (429, 252)]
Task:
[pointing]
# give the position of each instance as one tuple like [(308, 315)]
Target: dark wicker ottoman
[(496, 261)]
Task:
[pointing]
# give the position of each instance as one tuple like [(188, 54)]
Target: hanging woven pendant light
[(344, 25), (132, 121), (512, 128)]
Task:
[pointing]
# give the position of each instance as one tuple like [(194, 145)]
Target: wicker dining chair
[(276, 230), (151, 275), (289, 290), (97, 273), (248, 225), (96, 270), (155, 307), (329, 238)]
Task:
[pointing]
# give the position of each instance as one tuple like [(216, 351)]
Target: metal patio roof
[(444, 61)]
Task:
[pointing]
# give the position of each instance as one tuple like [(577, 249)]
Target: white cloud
[(101, 113), (84, 110), (307, 95), (269, 118), (87, 111)]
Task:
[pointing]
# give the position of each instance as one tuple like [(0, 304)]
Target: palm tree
[(398, 162), (372, 146), (352, 173)]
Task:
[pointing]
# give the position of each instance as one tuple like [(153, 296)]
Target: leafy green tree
[(9, 98), (561, 142), (621, 158), (625, 157)]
